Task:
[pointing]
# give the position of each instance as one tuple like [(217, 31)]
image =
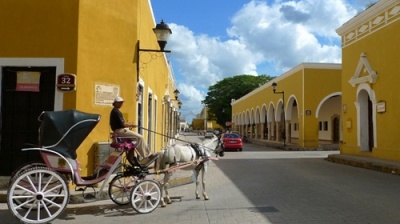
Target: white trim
[(372, 97), (357, 78), (324, 100), (38, 62), (368, 14), (375, 18), (289, 109)]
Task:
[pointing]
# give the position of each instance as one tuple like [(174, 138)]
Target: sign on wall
[(66, 82), (28, 81), (105, 94)]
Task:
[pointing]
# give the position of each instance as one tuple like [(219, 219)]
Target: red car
[(232, 141)]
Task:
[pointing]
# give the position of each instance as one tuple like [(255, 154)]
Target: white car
[(209, 134)]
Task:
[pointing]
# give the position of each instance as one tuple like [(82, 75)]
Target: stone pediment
[(363, 73)]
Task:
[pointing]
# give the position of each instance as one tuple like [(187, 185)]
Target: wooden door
[(19, 115)]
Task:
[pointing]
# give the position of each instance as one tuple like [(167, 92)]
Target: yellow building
[(97, 42), (202, 122), (304, 110), (370, 105)]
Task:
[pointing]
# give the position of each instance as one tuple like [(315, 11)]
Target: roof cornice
[(366, 15)]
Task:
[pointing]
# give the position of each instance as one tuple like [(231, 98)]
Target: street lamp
[(176, 93), (179, 104), (205, 117), (162, 32), (274, 85)]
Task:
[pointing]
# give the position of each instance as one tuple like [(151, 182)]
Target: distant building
[(304, 110)]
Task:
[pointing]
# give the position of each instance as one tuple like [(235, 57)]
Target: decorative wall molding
[(370, 21), (363, 73)]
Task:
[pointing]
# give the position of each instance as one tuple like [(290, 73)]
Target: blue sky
[(215, 39)]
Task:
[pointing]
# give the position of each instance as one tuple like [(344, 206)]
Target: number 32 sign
[(66, 82)]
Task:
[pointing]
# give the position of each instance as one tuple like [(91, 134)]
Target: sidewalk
[(387, 166)]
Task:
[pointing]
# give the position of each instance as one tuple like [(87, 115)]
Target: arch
[(263, 114), (257, 116), (271, 111), (243, 118), (328, 115), (279, 111), (289, 107), (317, 111), (366, 117), (247, 118), (252, 116)]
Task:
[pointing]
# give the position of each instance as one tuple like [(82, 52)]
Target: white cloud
[(281, 34), (191, 98)]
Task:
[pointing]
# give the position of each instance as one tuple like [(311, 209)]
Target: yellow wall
[(381, 45), (318, 84), (106, 47), (98, 42)]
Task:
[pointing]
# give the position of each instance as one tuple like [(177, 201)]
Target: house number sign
[(66, 82)]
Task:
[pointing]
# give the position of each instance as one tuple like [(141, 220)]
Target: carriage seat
[(123, 143)]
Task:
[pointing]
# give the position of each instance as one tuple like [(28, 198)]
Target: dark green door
[(19, 115)]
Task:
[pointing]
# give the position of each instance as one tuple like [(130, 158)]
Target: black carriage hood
[(64, 131)]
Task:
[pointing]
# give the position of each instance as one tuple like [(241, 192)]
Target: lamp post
[(162, 32), (205, 118), (274, 85), (176, 94), (177, 106)]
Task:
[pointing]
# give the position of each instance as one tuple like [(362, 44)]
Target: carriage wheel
[(37, 195), (25, 167), (120, 188), (34, 176), (146, 196)]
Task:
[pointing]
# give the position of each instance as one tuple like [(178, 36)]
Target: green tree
[(219, 96)]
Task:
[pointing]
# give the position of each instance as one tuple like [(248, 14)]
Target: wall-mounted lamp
[(179, 104), (176, 93), (162, 32), (274, 85)]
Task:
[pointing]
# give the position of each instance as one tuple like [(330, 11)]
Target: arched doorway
[(335, 129), (366, 121)]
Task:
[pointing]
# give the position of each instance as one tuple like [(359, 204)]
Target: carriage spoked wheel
[(37, 195), (120, 189), (146, 196)]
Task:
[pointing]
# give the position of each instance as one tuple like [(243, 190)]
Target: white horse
[(195, 156)]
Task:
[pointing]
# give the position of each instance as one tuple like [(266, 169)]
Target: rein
[(177, 138)]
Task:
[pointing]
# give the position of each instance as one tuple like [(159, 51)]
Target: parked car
[(232, 141), (209, 134)]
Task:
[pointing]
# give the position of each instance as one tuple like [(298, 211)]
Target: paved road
[(262, 185)]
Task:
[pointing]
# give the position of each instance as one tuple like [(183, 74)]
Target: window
[(323, 125)]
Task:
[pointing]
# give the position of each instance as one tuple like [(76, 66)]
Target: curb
[(381, 165)]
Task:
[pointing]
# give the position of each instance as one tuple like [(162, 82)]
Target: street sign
[(66, 82), (228, 123)]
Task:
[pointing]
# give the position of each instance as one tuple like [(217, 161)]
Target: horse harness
[(199, 152)]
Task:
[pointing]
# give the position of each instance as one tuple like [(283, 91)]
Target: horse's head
[(214, 144), (218, 149)]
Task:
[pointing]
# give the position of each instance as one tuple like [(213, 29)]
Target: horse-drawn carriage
[(39, 191)]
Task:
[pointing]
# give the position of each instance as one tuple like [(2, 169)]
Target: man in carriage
[(122, 128)]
